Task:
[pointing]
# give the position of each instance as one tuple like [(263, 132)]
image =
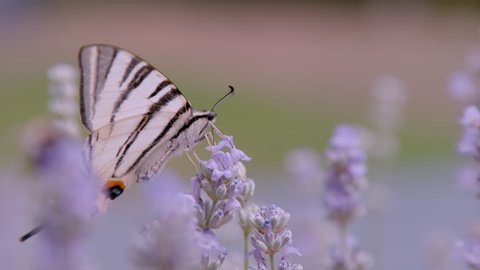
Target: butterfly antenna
[(231, 92), (213, 128)]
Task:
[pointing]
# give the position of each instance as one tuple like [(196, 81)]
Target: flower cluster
[(270, 236), (220, 189), (221, 178), (349, 256), (171, 240), (346, 175), (67, 188), (303, 165), (346, 178), (465, 87), (470, 247), (213, 254), (63, 98), (387, 116), (463, 84), (69, 193), (469, 144)]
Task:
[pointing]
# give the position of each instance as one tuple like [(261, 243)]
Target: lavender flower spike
[(63, 102), (213, 254), (470, 141), (470, 247), (171, 241), (270, 236), (222, 179), (69, 195), (346, 175)]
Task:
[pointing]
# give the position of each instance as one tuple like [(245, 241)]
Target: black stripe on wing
[(101, 64), (160, 87), (184, 109), (156, 107), (141, 74), (129, 68)]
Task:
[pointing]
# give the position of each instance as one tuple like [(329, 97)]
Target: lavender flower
[(63, 102), (346, 178), (226, 164), (349, 257), (69, 193), (270, 235), (220, 189), (462, 86), (346, 175), (469, 143), (342, 204), (218, 208), (171, 241), (304, 167), (221, 178), (285, 263), (390, 97), (470, 248), (213, 254)]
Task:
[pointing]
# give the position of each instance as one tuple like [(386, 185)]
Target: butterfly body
[(137, 118)]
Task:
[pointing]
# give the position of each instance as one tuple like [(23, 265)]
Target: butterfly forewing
[(115, 84), (132, 111)]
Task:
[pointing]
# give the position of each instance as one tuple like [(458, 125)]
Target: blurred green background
[(299, 69)]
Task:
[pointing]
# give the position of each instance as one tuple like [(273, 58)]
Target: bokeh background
[(299, 69)]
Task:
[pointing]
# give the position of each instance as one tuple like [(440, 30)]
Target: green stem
[(272, 262), (245, 249), (344, 240), (210, 214)]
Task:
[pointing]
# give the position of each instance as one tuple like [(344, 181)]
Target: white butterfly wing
[(130, 108)]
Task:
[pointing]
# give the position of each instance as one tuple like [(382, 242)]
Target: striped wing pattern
[(132, 112)]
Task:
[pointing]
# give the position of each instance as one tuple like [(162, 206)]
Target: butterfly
[(137, 118)]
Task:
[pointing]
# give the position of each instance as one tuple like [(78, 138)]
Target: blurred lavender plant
[(437, 246), (471, 252), (345, 179), (469, 146), (68, 189), (70, 194), (171, 241), (470, 247), (303, 165), (464, 84), (271, 235), (387, 116), (220, 189), (63, 101)]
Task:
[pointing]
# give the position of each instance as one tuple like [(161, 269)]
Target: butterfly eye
[(211, 116)]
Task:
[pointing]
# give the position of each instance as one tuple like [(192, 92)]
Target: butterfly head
[(211, 116)]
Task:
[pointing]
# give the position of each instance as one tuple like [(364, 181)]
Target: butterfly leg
[(191, 159), (214, 128), (210, 139), (196, 156)]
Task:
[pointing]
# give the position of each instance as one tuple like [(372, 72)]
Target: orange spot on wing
[(114, 182)]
